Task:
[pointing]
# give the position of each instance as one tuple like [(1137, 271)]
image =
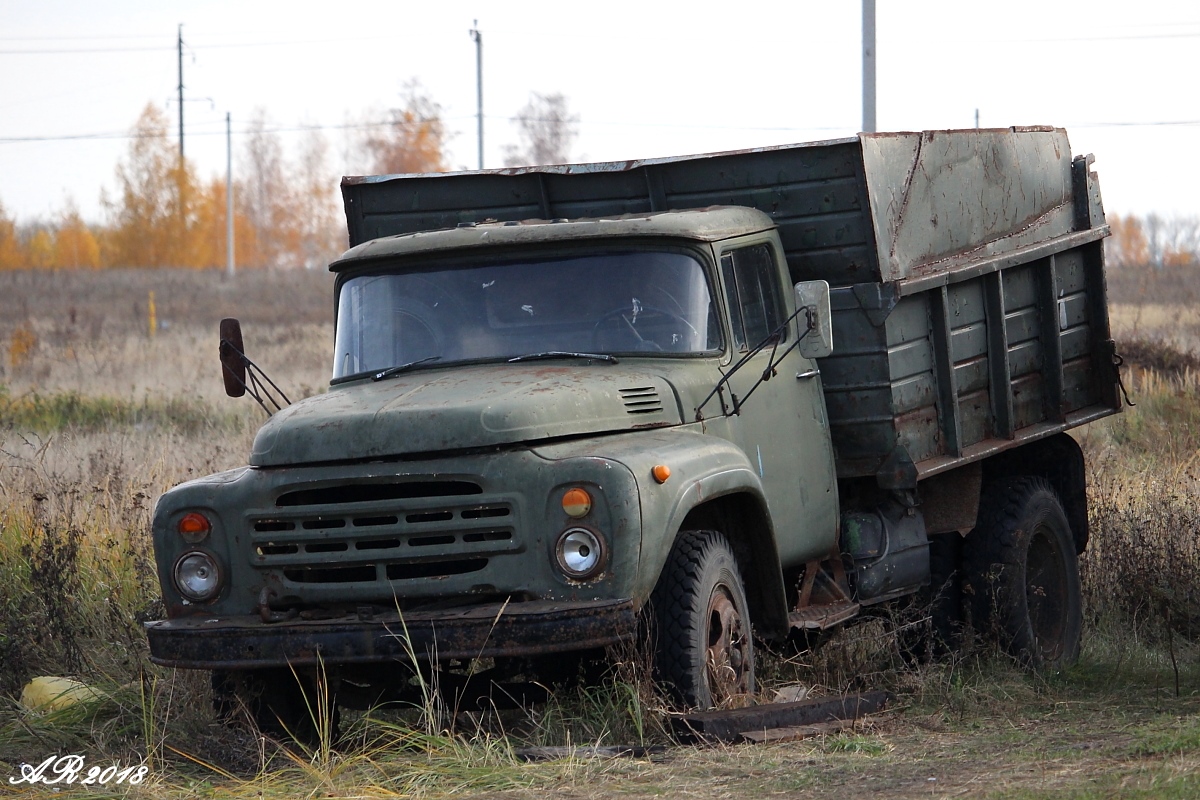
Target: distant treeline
[(286, 209)]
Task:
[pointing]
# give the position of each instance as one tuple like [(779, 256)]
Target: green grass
[(47, 413)]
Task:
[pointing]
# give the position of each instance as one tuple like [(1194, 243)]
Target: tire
[(280, 704), (1024, 573), (704, 650)]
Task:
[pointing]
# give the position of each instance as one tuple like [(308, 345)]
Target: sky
[(647, 79)]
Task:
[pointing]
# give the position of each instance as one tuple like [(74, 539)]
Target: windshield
[(627, 302)]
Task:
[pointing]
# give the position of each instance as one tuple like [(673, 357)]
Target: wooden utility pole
[(868, 66)]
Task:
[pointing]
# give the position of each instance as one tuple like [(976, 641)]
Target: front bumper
[(482, 631)]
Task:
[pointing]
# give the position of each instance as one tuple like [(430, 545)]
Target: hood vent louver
[(642, 400)]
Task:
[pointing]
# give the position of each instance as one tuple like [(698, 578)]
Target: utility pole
[(868, 66), (478, 37), (977, 119), (228, 196), (180, 48)]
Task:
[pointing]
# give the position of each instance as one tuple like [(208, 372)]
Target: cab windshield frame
[(625, 298)]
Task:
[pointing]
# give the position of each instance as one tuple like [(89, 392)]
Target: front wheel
[(1024, 573), (283, 705), (704, 653)]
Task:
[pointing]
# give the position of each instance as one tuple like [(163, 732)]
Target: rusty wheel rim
[(727, 657)]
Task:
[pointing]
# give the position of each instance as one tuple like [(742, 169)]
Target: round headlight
[(197, 576), (580, 553)]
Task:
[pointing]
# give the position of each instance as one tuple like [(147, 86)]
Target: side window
[(752, 283)]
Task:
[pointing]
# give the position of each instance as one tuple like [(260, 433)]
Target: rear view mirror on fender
[(812, 298)]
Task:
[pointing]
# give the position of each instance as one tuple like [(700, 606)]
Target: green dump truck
[(696, 402)]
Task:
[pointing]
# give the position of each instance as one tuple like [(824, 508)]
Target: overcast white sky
[(647, 79)]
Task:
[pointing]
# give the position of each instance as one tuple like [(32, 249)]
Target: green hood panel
[(429, 411)]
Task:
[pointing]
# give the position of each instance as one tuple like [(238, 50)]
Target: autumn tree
[(545, 130), (1177, 240), (11, 256), (149, 219), (74, 243), (320, 233), (291, 205), (263, 192), (412, 140), (39, 248), (1127, 246)]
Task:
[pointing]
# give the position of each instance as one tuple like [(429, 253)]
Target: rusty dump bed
[(967, 272)]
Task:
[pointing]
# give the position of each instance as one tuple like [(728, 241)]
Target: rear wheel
[(704, 652), (1024, 573)]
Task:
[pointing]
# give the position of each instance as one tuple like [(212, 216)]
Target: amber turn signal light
[(661, 472), (577, 502), (193, 527)]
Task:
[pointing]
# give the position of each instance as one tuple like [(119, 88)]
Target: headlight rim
[(218, 582), (596, 539)]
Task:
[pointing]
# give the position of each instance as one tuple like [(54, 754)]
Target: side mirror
[(233, 357), (812, 298)]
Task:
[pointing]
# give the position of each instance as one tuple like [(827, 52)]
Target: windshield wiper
[(396, 370), (563, 354)]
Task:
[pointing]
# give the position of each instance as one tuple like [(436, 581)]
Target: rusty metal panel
[(939, 197), (977, 421), (738, 724)]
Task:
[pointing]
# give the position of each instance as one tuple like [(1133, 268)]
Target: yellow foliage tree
[(290, 207), (39, 252), (151, 218), (11, 256), (74, 243), (414, 140), (1128, 245)]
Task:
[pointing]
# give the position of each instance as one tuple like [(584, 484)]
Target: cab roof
[(711, 224)]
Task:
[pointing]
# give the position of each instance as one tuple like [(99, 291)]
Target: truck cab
[(520, 417)]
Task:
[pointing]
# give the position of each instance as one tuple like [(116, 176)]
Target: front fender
[(703, 468)]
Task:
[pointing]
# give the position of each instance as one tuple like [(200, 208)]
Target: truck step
[(826, 615)]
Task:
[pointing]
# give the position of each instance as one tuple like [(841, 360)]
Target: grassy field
[(98, 417)]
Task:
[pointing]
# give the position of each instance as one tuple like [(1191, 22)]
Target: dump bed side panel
[(926, 381)]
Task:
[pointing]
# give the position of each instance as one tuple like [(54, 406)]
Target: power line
[(1115, 38), (58, 52), (192, 131), (193, 46), (90, 37)]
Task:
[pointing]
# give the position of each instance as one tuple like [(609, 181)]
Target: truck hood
[(435, 410)]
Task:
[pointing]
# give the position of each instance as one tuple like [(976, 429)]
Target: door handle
[(812, 373)]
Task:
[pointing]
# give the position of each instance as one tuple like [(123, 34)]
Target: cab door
[(782, 425)]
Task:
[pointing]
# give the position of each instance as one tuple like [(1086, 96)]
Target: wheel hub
[(727, 657)]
